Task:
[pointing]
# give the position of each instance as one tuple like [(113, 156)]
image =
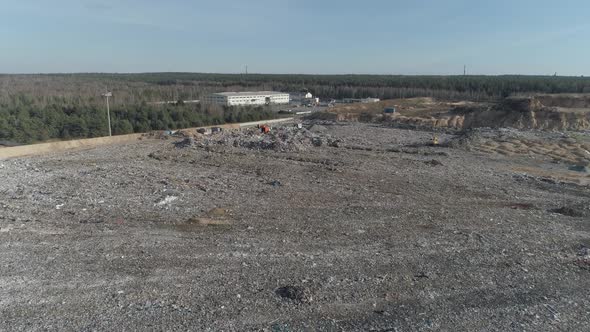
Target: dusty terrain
[(541, 112), (347, 226)]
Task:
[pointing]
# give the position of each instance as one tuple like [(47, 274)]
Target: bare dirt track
[(342, 227)]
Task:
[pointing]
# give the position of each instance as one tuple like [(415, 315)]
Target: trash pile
[(280, 139), (185, 143)]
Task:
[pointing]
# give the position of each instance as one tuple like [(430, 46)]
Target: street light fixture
[(107, 95)]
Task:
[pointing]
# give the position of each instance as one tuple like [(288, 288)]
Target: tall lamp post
[(107, 95)]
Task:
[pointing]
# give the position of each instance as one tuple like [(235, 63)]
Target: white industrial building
[(247, 98)]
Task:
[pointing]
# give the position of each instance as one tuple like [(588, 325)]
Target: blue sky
[(296, 36)]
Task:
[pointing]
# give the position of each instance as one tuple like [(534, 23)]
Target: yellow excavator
[(435, 140)]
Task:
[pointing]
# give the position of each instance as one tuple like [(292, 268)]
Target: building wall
[(241, 100), (215, 99), (280, 98), (246, 100)]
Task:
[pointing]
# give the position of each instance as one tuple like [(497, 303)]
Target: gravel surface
[(339, 227)]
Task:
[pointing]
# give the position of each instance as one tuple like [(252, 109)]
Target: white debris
[(166, 201), (59, 206)]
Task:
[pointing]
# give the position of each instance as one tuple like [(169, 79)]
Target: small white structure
[(247, 98), (304, 98)]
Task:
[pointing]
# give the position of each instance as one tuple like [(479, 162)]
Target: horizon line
[(292, 74)]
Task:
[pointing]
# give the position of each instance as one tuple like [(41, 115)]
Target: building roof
[(250, 93)]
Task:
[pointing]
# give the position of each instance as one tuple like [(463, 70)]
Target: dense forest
[(62, 106), (381, 86), (26, 123)]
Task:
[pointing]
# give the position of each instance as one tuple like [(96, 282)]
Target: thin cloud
[(97, 6)]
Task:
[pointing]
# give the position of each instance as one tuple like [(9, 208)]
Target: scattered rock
[(433, 162), (318, 129), (579, 168), (157, 156), (316, 141), (583, 258), (294, 293), (577, 210), (217, 213), (334, 143)]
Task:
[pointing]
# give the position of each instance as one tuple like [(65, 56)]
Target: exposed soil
[(380, 231), (542, 112)]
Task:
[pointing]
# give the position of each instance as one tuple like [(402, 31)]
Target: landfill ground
[(343, 227)]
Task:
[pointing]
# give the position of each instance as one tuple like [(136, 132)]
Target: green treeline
[(28, 123), (134, 88), (380, 86)]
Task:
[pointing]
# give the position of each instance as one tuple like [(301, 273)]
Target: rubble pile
[(281, 139), (185, 143)]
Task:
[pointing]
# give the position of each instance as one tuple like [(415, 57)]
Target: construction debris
[(185, 143), (281, 139)]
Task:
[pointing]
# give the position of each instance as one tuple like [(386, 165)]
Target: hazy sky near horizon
[(296, 36)]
